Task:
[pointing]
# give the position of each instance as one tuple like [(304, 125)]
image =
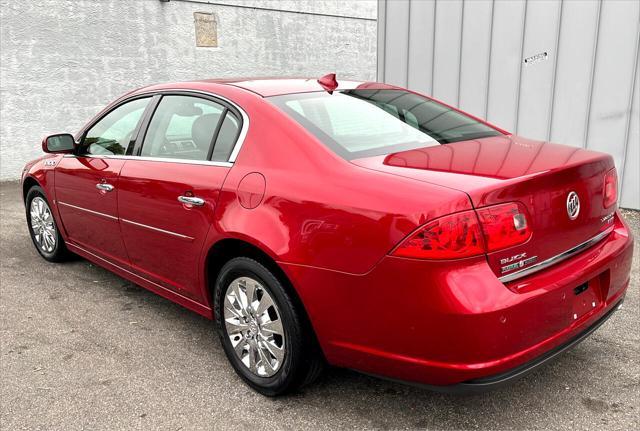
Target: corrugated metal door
[(578, 86)]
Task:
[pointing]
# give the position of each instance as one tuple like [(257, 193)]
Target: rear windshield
[(363, 123)]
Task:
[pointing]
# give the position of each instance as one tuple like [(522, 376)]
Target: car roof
[(267, 87)]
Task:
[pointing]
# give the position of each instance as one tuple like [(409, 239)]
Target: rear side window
[(363, 123), (182, 127), (227, 137), (112, 133)]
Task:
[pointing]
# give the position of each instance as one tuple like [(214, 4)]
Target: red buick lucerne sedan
[(355, 224)]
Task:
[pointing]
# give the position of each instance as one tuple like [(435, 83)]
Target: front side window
[(112, 133), (363, 123), (182, 127)]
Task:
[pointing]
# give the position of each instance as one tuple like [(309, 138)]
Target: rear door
[(167, 194), (87, 182)]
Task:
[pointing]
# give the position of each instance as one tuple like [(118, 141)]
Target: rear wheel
[(42, 227), (263, 334)]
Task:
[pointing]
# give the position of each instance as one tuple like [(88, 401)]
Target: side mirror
[(60, 143)]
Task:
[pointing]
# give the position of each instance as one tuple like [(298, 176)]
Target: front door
[(87, 183), (167, 196)]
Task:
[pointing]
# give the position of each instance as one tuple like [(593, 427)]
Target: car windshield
[(363, 123)]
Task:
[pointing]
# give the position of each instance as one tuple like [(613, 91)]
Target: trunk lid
[(540, 175)]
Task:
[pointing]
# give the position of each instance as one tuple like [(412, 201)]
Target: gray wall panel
[(397, 42), (506, 52), (536, 84), (582, 94), (474, 67), (574, 68), (421, 45), (447, 50), (631, 171), (613, 78)]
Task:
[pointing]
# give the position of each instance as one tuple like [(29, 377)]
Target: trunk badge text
[(608, 219), (516, 262), (573, 205)]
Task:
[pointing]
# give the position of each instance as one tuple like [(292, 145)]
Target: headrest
[(202, 130)]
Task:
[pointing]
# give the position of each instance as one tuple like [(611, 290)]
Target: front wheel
[(42, 227), (262, 332)]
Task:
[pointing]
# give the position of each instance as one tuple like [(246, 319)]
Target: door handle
[(105, 187), (191, 200)]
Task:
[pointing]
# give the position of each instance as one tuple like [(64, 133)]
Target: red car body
[(331, 226)]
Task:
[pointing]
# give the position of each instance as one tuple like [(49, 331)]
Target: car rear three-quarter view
[(354, 224)]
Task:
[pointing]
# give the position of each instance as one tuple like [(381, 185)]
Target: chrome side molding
[(157, 229), (110, 217)]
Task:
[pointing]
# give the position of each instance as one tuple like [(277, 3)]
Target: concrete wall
[(62, 61), (470, 53)]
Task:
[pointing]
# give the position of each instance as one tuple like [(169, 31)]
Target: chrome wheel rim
[(254, 326), (42, 225)]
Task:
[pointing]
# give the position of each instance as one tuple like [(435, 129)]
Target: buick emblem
[(573, 205)]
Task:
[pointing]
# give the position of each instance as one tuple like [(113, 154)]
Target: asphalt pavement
[(81, 348)]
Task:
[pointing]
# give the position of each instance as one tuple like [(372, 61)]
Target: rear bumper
[(495, 381), (454, 322)]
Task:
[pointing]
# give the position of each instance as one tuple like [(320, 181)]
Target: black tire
[(302, 363), (58, 252)]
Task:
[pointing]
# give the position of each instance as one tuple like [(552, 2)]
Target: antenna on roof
[(328, 82)]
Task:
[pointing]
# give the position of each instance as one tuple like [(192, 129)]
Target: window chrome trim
[(245, 118), (157, 229), (110, 217), (154, 159), (236, 148), (555, 259)]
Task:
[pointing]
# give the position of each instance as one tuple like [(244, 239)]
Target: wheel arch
[(27, 184), (228, 248)]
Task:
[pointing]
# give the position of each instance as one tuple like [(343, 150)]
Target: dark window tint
[(182, 127), (226, 138), (361, 123), (111, 135)]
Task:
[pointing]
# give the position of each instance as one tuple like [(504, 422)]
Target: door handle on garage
[(191, 200), (104, 187)]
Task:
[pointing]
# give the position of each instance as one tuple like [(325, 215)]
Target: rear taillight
[(449, 237), (468, 233), (610, 188), (504, 225)]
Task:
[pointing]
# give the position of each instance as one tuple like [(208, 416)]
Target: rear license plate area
[(586, 298)]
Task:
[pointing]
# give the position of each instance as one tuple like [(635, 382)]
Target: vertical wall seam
[(585, 143), (380, 50), (460, 52), (433, 45), (556, 55), (381, 40), (634, 81), (486, 90), (384, 65), (524, 33), (406, 78)]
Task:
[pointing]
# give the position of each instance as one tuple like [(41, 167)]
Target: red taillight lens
[(466, 234), (504, 225), (610, 188), (449, 237)]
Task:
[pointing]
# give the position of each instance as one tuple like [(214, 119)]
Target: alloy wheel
[(254, 327), (42, 225)]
